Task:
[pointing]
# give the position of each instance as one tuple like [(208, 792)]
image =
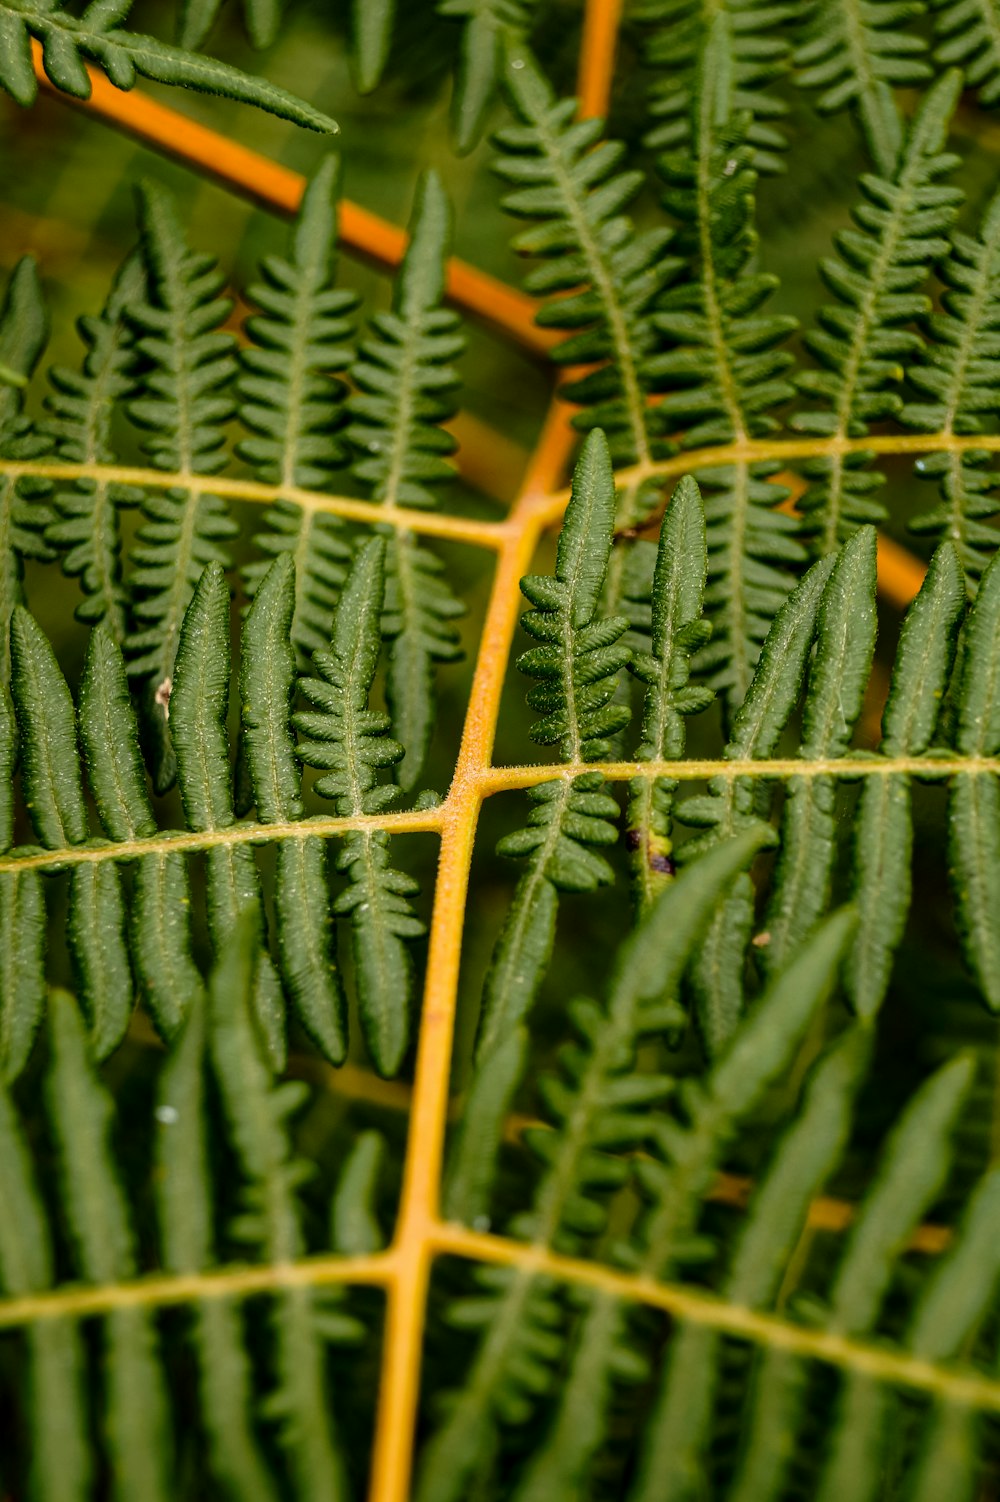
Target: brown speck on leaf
[(761, 940), (162, 697), (633, 839)]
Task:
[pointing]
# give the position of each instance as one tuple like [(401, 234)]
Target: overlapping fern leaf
[(87, 530), (864, 341), (577, 665), (183, 405), (97, 36), (955, 382), (405, 384), (725, 371), (349, 743), (140, 1442), (612, 273), (291, 399), (24, 508), (489, 26), (856, 52), (674, 35), (968, 35), (595, 1106)]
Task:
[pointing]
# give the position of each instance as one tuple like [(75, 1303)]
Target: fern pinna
[(697, 1193)]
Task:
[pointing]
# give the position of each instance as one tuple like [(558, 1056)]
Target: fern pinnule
[(838, 676), (723, 372), (199, 705), (405, 383), (197, 17), (737, 803), (756, 38), (292, 399), (69, 43), (857, 55), (966, 36), (489, 27), (22, 924), (86, 531), (349, 743), (24, 509), (677, 629), (864, 340), (597, 1107), (883, 825), (183, 405), (955, 380), (577, 665), (306, 944), (974, 812)]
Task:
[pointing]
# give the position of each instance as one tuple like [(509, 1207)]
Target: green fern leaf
[(857, 52), (838, 677), (597, 1106), (183, 406), (910, 1175), (306, 943), (294, 406), (578, 665), (673, 1453), (87, 531), (883, 823), (199, 706), (24, 514), (61, 1463), (864, 340), (724, 371), (974, 812), (22, 925), (256, 1111), (197, 17), (677, 629), (372, 23), (488, 26), (98, 1217), (405, 381), (572, 186), (955, 379), (349, 743), (354, 1227), (68, 44), (753, 36), (968, 34), (739, 802)]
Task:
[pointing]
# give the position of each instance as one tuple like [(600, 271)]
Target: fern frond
[(578, 665), (672, 46), (956, 379), (724, 371), (293, 403), (968, 35), (736, 803), (371, 33), (199, 705), (184, 406), (257, 1111), (863, 341), (600, 276), (197, 17), (845, 642), (87, 532), (350, 743), (596, 1106), (677, 629), (306, 945), (489, 26), (97, 36), (24, 513), (857, 52), (405, 382), (759, 1052), (99, 1223), (974, 812), (883, 822), (909, 1178)]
